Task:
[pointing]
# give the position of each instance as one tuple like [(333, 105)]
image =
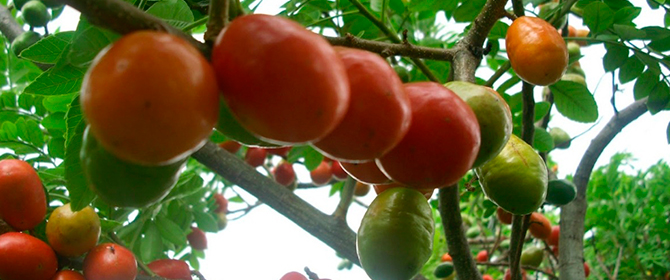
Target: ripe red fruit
[(255, 156), (171, 269), (508, 274), (553, 237), (446, 257), (284, 173), (221, 203), (109, 261), (366, 172), (231, 146), (68, 275), (361, 189), (504, 216), (321, 175), (487, 277), (23, 203), (441, 144), (23, 256), (281, 81), (540, 226), (587, 270), (379, 114), (338, 171), (293, 276), (197, 239), (483, 256), (282, 152)]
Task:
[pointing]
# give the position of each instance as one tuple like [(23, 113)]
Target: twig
[(501, 70), (392, 49), (528, 117), (346, 195), (218, 19), (526, 267), (615, 274), (519, 10), (198, 274)]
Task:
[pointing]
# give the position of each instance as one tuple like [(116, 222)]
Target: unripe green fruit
[(25, 40), (575, 69), (561, 138), (574, 78), (574, 49), (35, 13), (516, 179), (532, 256), (444, 269), (561, 192)]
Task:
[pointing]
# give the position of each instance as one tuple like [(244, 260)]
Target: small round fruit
[(68, 275), (284, 173), (538, 54), (197, 239), (151, 98), (280, 151), (366, 172), (23, 256), (561, 138), (399, 216), (293, 276), (444, 269), (532, 256), (483, 256), (109, 261), (71, 234), (35, 13), (554, 236), (281, 81), (379, 112), (171, 269), (446, 257), (255, 156), (23, 202), (503, 216), (561, 192), (540, 226), (361, 189), (231, 146), (587, 270), (573, 49), (221, 203), (322, 174), (221, 221), (442, 142), (582, 33), (338, 171), (487, 277), (25, 40)]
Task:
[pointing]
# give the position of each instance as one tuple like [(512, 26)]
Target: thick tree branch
[(390, 49), (571, 247), (8, 25)]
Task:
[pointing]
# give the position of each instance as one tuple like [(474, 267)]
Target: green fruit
[(473, 232), (395, 237), (516, 179), (561, 192), (35, 13), (561, 138), (547, 12), (444, 269), (25, 40), (575, 69), (123, 184), (574, 50), (505, 243), (532, 256), (493, 115), (231, 128)]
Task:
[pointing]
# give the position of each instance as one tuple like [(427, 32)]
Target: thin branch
[(218, 19), (519, 227), (526, 267), (346, 195), (528, 117), (391, 49), (519, 10), (501, 70), (615, 274)]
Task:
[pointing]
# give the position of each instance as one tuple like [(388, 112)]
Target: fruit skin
[(293, 276), (231, 128), (221, 220), (483, 256), (446, 257), (493, 115), (197, 239), (573, 49), (321, 175), (25, 40), (587, 270), (281, 151), (508, 274), (68, 275), (532, 256), (444, 269), (284, 173), (23, 203), (109, 261), (171, 269), (427, 193), (399, 216), (554, 236), (361, 189), (151, 98), (574, 77), (561, 138), (516, 179), (35, 13), (281, 81), (112, 179), (537, 52), (504, 216), (440, 152), (540, 226), (255, 156), (379, 112), (221, 203), (71, 234), (487, 277), (231, 146), (23, 256), (338, 171), (366, 172), (561, 192)]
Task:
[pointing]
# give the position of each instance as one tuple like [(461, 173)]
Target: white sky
[(266, 245)]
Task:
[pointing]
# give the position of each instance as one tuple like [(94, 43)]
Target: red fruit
[(338, 171), (553, 237), (321, 175), (483, 256), (171, 269), (281, 81), (23, 256), (441, 144), (23, 203), (197, 239), (68, 275), (446, 257), (221, 203), (231, 146), (508, 274), (554, 249), (282, 152), (293, 276), (587, 270), (380, 188), (378, 116), (109, 261), (284, 173), (366, 172), (255, 156), (504, 216), (361, 189), (540, 226), (487, 277)]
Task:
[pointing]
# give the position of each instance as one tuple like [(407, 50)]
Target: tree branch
[(346, 196), (218, 19), (390, 49), (8, 25), (571, 251)]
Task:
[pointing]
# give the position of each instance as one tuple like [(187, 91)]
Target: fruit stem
[(519, 10), (218, 19), (346, 196)]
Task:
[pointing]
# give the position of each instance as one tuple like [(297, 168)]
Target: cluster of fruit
[(35, 13)]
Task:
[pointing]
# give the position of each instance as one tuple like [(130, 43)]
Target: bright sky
[(266, 245)]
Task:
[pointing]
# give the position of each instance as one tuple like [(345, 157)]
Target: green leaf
[(10, 130), (49, 49), (667, 133), (171, 231), (88, 42), (660, 45), (176, 10), (205, 221), (468, 10), (658, 97), (645, 84), (498, 31), (312, 157), (34, 133), (109, 225), (626, 15), (58, 103), (630, 70), (574, 101), (598, 17), (615, 57), (666, 18), (541, 110), (56, 147), (627, 32), (76, 184), (376, 5), (151, 247), (542, 140), (57, 80)]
